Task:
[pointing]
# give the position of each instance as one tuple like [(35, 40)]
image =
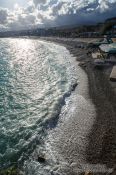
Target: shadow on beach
[(101, 148), (102, 139)]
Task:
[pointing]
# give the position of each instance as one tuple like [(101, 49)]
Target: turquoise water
[(35, 78)]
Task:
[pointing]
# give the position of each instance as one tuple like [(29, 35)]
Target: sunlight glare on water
[(34, 78)]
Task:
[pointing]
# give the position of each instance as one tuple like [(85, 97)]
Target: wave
[(38, 78)]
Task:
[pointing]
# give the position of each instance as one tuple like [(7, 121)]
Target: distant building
[(89, 34), (112, 20)]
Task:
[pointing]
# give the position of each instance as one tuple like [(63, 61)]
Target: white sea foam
[(35, 79), (65, 145)]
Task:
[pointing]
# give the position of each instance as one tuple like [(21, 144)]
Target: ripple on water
[(35, 77)]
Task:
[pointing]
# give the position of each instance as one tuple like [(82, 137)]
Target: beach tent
[(106, 40), (108, 48)]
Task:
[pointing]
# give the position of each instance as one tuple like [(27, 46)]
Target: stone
[(41, 159), (88, 173), (74, 86)]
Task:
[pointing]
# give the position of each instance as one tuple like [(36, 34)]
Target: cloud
[(37, 2), (49, 13), (69, 12), (3, 16), (19, 18)]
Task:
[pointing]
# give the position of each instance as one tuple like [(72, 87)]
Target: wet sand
[(101, 146)]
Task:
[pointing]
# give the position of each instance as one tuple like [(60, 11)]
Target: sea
[(46, 114), (36, 78)]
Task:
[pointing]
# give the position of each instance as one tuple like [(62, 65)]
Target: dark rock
[(74, 86), (83, 64), (79, 46), (89, 52), (41, 159), (88, 173)]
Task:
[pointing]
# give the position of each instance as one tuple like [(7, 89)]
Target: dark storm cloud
[(62, 12), (49, 13)]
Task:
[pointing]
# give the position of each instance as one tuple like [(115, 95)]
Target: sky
[(27, 14)]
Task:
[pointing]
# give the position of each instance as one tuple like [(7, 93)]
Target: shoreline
[(101, 148), (102, 138)]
